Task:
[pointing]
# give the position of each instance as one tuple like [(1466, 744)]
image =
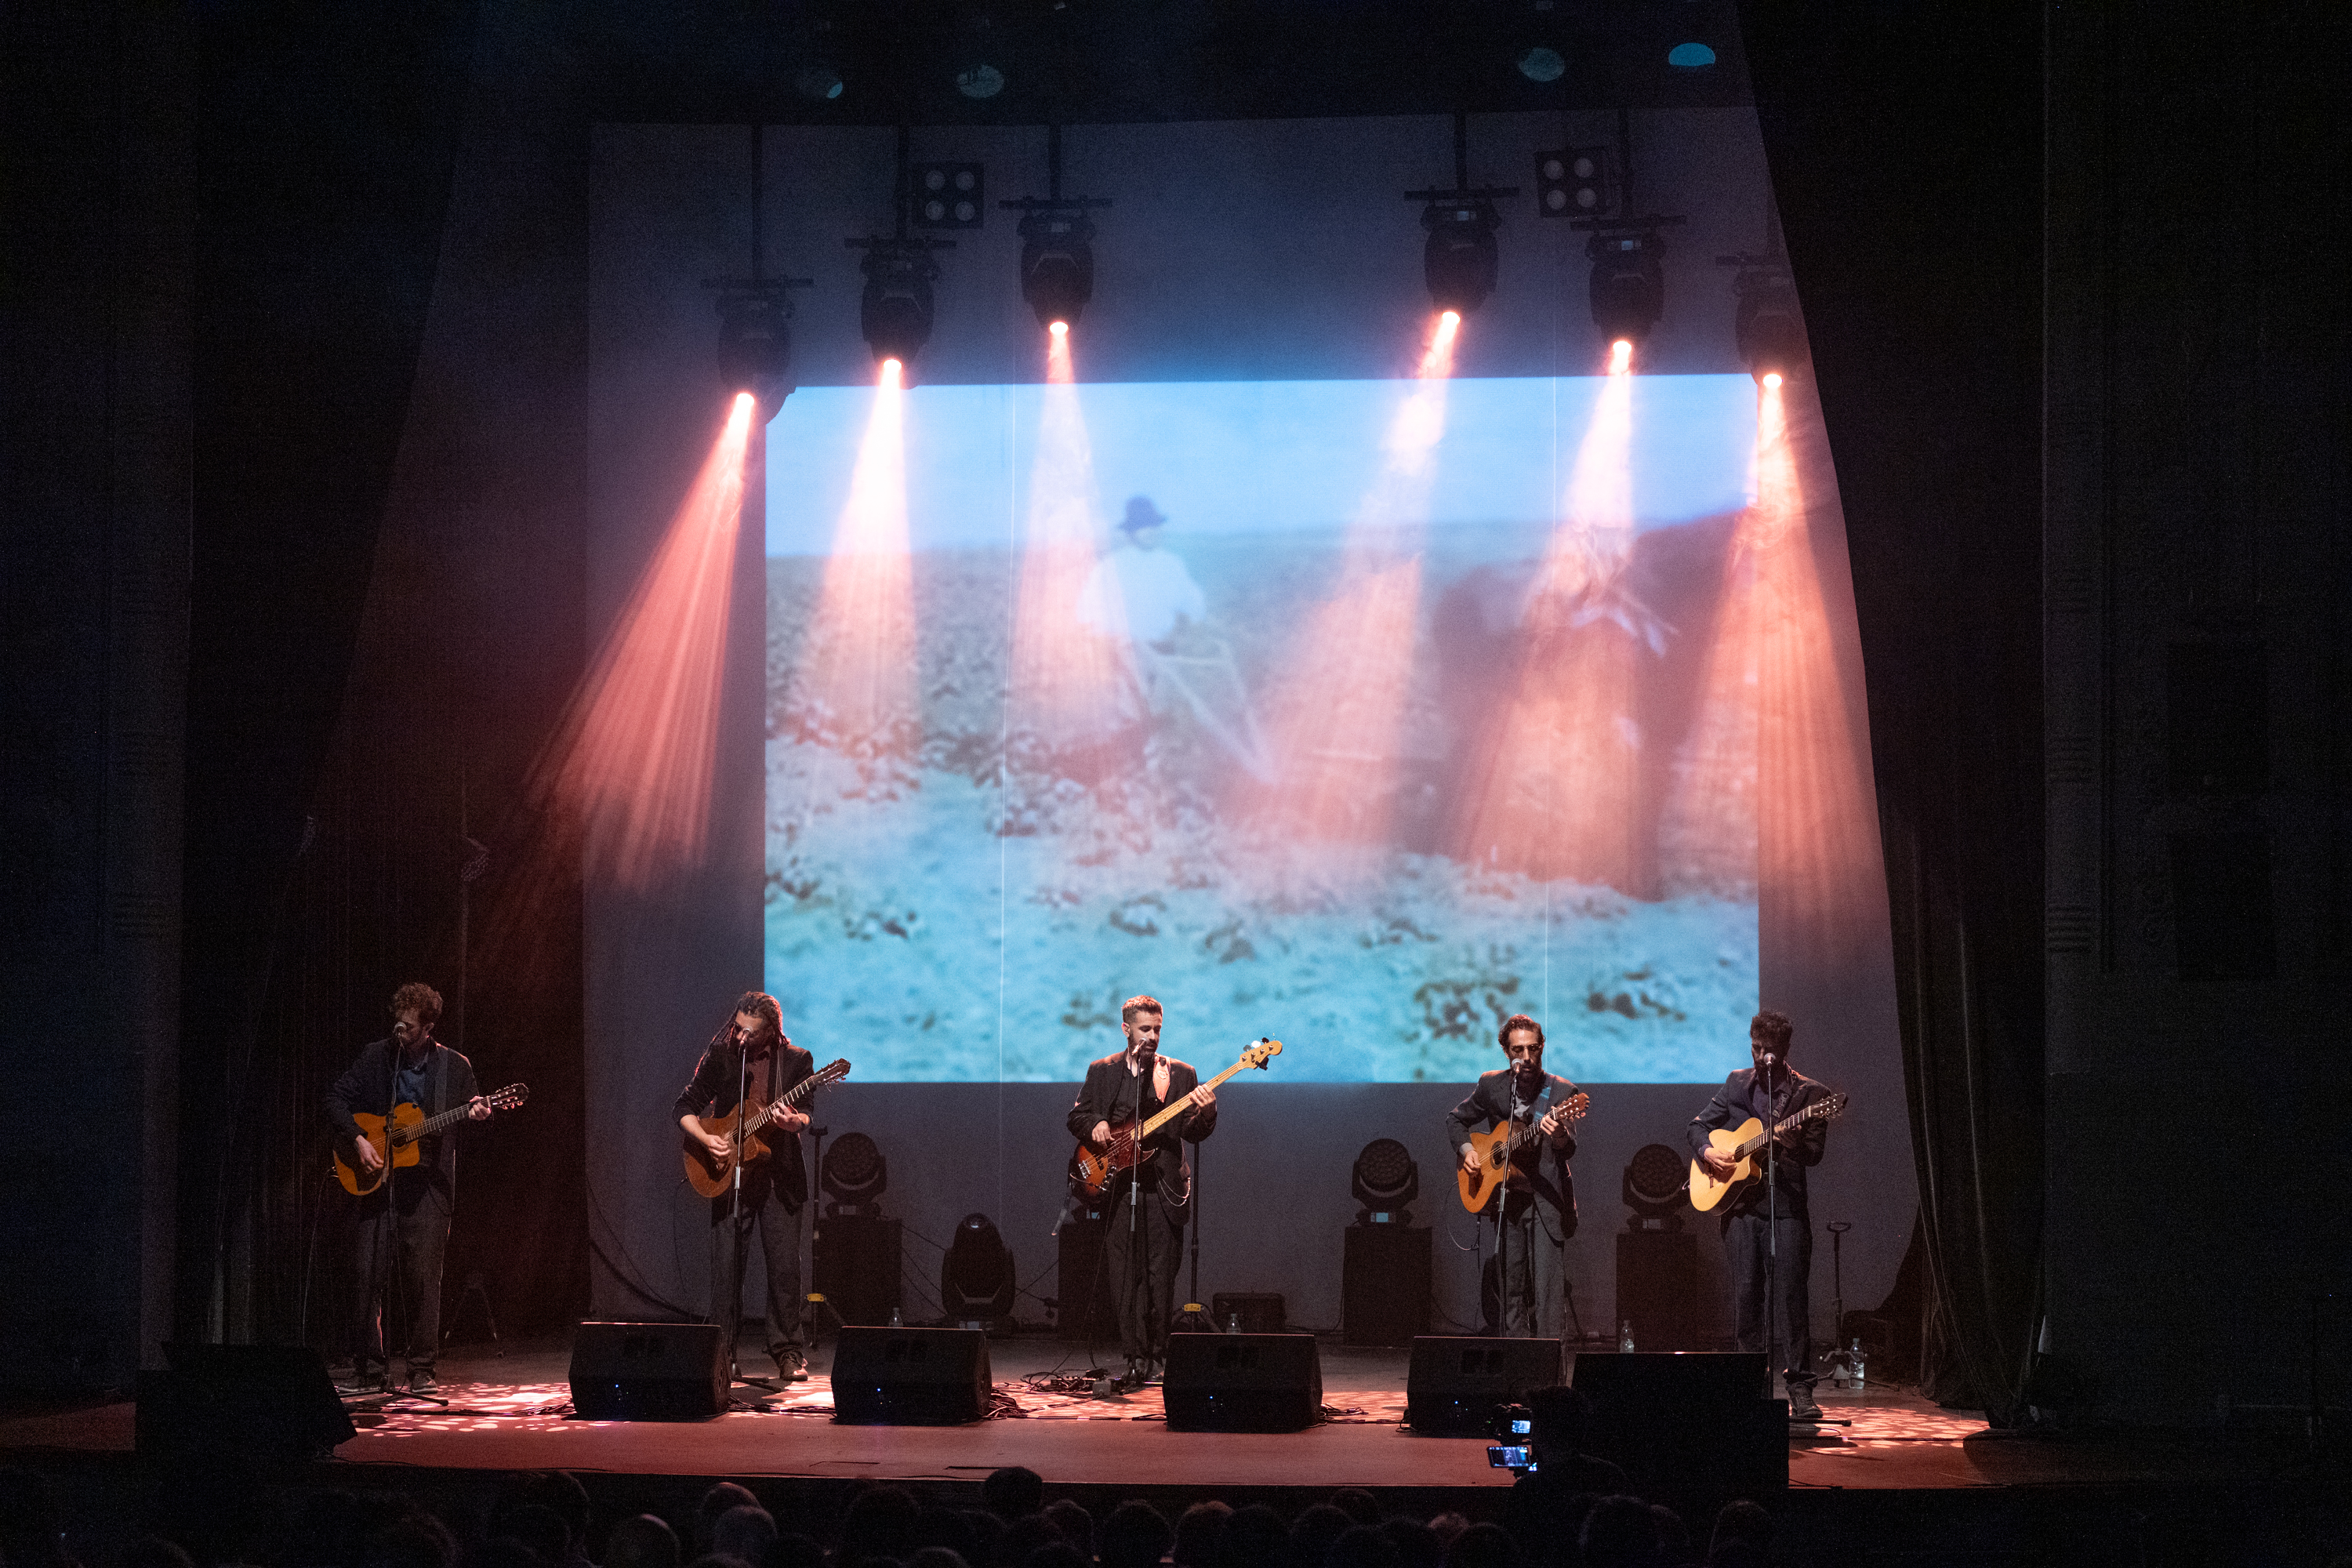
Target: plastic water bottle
[(896, 1320), (1854, 1358), (1232, 1322), (1625, 1337)]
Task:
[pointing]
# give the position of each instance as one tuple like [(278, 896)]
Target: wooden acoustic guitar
[(396, 1136), (1495, 1147), (1739, 1144), (709, 1174), (1091, 1169)]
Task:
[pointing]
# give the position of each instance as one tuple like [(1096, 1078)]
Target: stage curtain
[(1909, 195)]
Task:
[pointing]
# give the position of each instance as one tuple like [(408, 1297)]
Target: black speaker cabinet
[(648, 1371), (855, 1260), (1243, 1382), (1657, 1287), (1686, 1419), (910, 1377), (1081, 1284), (1384, 1285), (273, 1401), (1453, 1386)]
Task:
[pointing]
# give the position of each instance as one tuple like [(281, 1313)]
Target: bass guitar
[(710, 1175), (396, 1136), (1495, 1148), (1738, 1144), (1091, 1169)]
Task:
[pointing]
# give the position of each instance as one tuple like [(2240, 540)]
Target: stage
[(512, 1411)]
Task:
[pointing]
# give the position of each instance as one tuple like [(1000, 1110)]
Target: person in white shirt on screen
[(1138, 590)]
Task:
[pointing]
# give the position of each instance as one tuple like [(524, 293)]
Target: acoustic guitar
[(396, 1137), (1091, 1169), (709, 1174), (1738, 1144), (1494, 1148)]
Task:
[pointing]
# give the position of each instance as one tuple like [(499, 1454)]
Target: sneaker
[(422, 1381), (791, 1364), (1802, 1407), (359, 1384)]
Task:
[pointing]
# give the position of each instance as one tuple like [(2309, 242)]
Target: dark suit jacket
[(1112, 1094), (1488, 1104), (1738, 1100), (714, 1090), (366, 1084)]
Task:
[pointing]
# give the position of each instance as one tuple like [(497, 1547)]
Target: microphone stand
[(1772, 1219), (738, 1240)]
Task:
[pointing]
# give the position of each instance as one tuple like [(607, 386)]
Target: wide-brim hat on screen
[(1141, 514)]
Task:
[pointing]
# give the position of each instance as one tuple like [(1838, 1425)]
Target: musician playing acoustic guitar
[(774, 1189), (1770, 1091), (1129, 1086), (1535, 1210), (403, 1225)]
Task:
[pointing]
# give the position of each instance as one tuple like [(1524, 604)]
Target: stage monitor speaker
[(1081, 1281), (1691, 1419), (1657, 1287), (910, 1377), (1243, 1382), (1454, 1384), (275, 1401), (649, 1371), (856, 1262), (1384, 1285)]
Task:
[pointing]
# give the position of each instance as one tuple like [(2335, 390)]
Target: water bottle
[(1232, 1322), (896, 1320), (1625, 1337), (1854, 1359)]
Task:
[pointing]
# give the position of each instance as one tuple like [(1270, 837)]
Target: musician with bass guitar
[(404, 1215), (1533, 1203), (1767, 1233), (750, 1060), (1140, 1247)]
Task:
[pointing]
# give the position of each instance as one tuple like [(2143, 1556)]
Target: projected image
[(1359, 714)]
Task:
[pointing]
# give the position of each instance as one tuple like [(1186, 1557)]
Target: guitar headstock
[(834, 1072), (508, 1098), (1261, 1053), (1574, 1107), (1833, 1106)]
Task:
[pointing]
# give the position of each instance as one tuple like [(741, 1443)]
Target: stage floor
[(512, 1411)]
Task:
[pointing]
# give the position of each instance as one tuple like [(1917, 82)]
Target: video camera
[(1513, 1449)]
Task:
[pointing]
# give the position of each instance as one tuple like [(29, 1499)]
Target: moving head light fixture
[(1458, 261), (755, 340), (1767, 327), (895, 311), (1628, 287), (1057, 253)]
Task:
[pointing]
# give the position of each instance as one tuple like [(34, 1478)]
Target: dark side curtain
[(1908, 188)]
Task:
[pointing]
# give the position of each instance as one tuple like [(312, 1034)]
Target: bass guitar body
[(358, 1180), (1707, 1191), (709, 1174), (1092, 1170)]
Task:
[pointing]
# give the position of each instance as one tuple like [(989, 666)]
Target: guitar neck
[(431, 1124), (782, 1102), (1169, 1113), (1807, 1114)]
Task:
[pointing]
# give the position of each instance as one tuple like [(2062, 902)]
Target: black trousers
[(1791, 1332), (777, 1224), (1141, 1252), (1527, 1269), (402, 1236)]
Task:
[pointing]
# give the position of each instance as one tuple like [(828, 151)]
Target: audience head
[(644, 1541), (414, 1540), (1417, 1544), (540, 1530), (1620, 1533), (716, 1501), (1077, 1525), (1024, 1536), (792, 1550), (1482, 1546), (936, 1557), (558, 1491), (1015, 1491), (879, 1524), (1741, 1521), (1135, 1536), (945, 1527), (1200, 1535), (1446, 1526), (1058, 1554), (1558, 1415), (1254, 1537), (1356, 1504), (1736, 1553), (153, 1551), (1312, 1533), (718, 1560), (746, 1531), (1362, 1546), (502, 1551), (1673, 1535)]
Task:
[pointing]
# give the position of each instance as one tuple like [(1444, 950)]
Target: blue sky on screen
[(1257, 457)]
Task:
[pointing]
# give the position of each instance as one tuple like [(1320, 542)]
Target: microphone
[(1770, 1059)]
